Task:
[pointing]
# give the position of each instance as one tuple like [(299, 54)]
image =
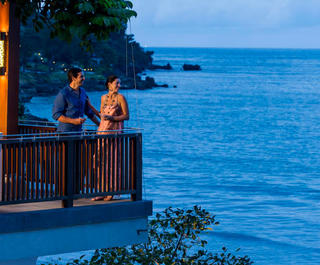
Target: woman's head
[(113, 83)]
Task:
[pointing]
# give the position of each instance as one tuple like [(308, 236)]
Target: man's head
[(75, 77)]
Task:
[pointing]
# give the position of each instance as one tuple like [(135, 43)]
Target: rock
[(191, 67), (148, 83), (24, 97), (30, 117), (163, 67), (164, 85)]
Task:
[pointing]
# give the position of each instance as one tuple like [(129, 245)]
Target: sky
[(227, 23)]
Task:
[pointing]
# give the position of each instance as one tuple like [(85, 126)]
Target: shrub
[(174, 238)]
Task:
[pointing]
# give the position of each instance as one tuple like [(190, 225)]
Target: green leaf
[(86, 7), (98, 20)]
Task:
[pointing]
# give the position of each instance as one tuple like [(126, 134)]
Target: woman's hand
[(108, 118)]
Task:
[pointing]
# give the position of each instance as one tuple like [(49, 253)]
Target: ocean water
[(241, 138)]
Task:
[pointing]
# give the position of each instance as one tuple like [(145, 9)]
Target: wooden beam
[(9, 83)]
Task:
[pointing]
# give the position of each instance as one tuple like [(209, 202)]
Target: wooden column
[(9, 83)]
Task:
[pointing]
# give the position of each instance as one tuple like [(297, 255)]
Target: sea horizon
[(236, 48)]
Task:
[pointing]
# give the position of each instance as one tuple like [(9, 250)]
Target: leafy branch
[(85, 19)]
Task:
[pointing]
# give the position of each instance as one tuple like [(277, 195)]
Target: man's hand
[(78, 121)]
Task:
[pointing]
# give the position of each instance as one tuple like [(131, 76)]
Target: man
[(72, 103)]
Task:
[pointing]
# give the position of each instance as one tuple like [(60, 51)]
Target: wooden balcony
[(47, 180), (52, 166)]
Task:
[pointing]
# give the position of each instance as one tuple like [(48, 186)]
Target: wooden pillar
[(9, 83)]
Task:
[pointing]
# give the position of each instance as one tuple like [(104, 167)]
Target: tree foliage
[(85, 19), (174, 239), (112, 56)]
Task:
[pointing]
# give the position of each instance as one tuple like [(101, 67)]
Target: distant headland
[(43, 70)]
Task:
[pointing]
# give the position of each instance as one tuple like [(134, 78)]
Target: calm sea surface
[(240, 138)]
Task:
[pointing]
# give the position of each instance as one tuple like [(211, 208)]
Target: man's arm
[(88, 110), (76, 121), (95, 111), (95, 120)]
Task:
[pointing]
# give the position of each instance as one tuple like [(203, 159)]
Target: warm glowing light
[(2, 53)]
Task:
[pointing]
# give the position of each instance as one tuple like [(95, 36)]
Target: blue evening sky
[(228, 23)]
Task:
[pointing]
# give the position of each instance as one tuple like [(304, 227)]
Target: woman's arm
[(102, 102)]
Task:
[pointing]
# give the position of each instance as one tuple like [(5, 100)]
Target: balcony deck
[(50, 205), (40, 170)]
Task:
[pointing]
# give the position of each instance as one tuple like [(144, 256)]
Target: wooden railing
[(66, 167), (33, 127)]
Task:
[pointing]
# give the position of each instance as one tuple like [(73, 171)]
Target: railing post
[(138, 168), (70, 156)]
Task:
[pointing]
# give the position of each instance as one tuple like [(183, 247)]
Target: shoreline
[(48, 87)]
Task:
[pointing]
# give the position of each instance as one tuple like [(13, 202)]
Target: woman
[(113, 112), (114, 108)]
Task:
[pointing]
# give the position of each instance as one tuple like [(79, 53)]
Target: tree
[(174, 238), (107, 56), (85, 19)]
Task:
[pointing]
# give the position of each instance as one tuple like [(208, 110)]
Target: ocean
[(241, 138)]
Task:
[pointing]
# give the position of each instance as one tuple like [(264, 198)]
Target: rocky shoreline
[(43, 70), (29, 89), (42, 84)]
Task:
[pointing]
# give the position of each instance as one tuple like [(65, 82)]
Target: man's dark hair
[(73, 72)]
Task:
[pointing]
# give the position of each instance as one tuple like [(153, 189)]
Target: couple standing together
[(72, 103)]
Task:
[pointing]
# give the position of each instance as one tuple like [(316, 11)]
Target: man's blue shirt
[(72, 104)]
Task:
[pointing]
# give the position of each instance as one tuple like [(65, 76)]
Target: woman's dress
[(113, 110), (109, 156)]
